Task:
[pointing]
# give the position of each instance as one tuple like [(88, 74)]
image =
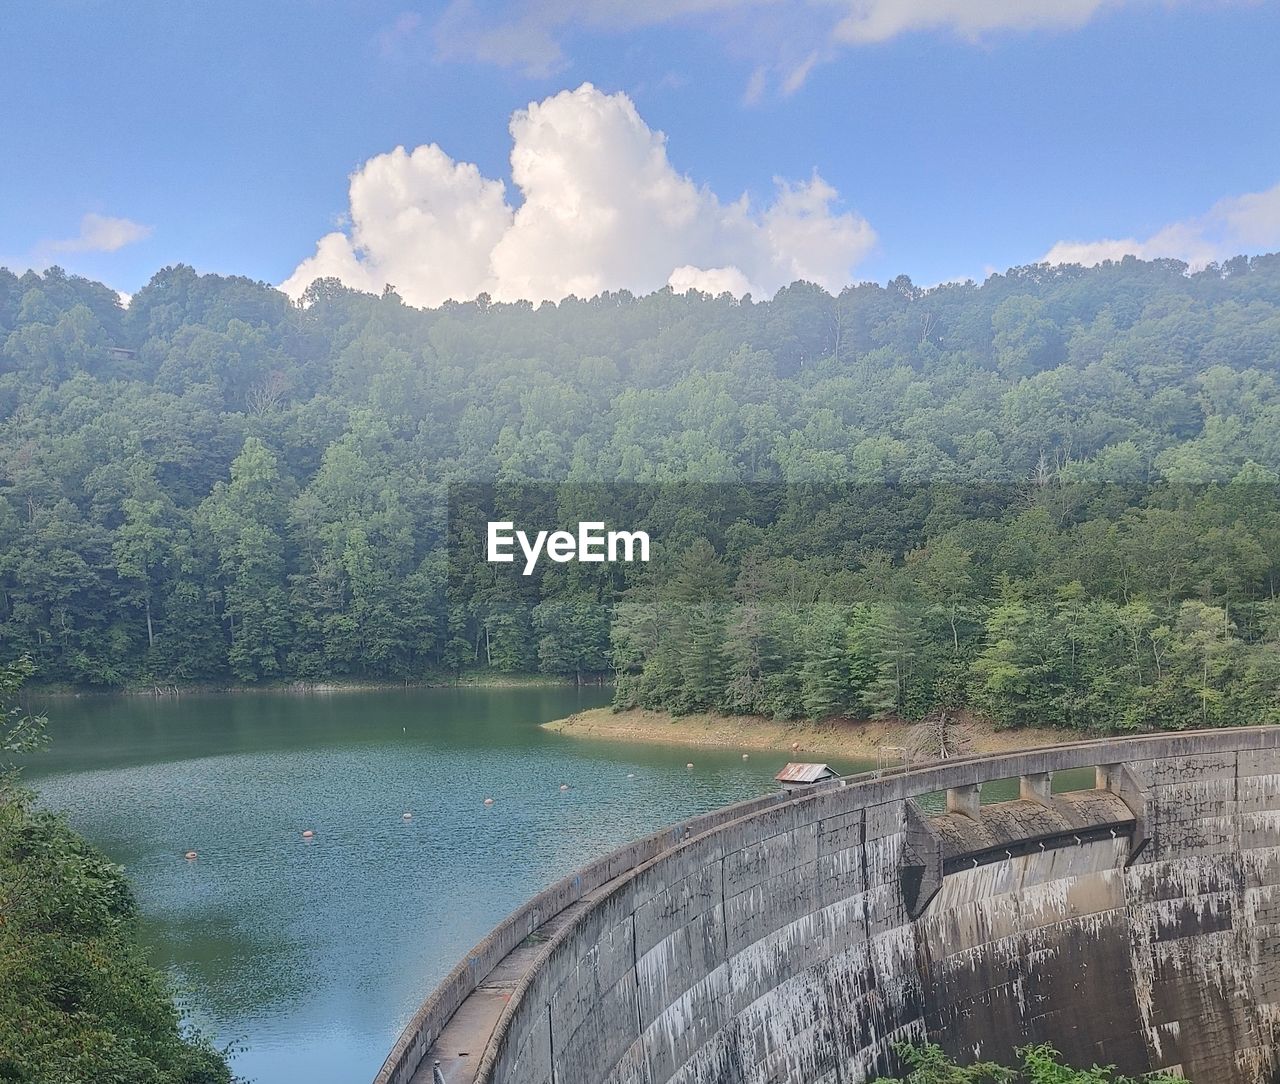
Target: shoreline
[(859, 739), (308, 688)]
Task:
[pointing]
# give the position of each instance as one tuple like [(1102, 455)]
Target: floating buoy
[(631, 775), (488, 801), (689, 765), (745, 756), (564, 787), (406, 817), (308, 834), (191, 856)]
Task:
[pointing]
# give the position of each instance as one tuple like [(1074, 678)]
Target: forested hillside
[(215, 485)]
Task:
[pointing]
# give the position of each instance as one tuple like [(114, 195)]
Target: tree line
[(215, 485), (1092, 607)]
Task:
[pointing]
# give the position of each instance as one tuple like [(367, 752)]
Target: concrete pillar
[(964, 800), (1118, 779), (1037, 787)]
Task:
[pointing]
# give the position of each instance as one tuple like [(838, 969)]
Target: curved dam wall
[(797, 938)]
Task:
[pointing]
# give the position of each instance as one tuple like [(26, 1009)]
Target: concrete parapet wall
[(775, 941), (430, 1019)]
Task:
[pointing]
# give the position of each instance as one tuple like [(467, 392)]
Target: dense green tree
[(1050, 497), (572, 636), (245, 518), (825, 686)]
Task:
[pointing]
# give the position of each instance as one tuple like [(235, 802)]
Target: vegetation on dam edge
[(78, 999), (1039, 1065)]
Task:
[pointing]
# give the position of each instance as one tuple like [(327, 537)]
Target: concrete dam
[(795, 938)]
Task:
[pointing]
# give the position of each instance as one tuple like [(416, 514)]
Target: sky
[(548, 147)]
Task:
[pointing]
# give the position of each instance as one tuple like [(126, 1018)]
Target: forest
[(1047, 498)]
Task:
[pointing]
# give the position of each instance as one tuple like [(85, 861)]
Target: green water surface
[(311, 955)]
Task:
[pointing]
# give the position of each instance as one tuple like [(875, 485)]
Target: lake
[(310, 955)]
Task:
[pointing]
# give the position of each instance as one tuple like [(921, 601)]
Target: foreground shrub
[(1040, 1065)]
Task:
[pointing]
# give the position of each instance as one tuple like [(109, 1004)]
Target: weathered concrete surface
[(795, 939), (460, 1044)]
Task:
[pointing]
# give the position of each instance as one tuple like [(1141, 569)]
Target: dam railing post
[(1037, 787), (1120, 780), (965, 799)]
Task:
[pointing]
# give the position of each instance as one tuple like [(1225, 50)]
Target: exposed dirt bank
[(836, 737)]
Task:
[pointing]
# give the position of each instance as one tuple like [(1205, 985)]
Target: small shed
[(803, 776)]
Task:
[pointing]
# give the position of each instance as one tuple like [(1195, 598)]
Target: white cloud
[(1238, 224), (392, 38), (879, 20), (602, 209), (798, 75), (530, 41), (101, 233), (711, 280), (98, 233), (420, 221), (783, 39), (755, 86)]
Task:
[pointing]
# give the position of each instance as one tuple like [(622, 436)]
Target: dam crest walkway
[(797, 937)]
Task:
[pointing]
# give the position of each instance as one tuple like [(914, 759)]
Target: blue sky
[(223, 135)]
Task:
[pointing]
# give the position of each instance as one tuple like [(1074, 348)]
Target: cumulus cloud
[(1238, 224), (602, 208), (419, 220), (709, 280), (102, 233)]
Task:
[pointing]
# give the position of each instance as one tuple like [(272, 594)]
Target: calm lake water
[(311, 955)]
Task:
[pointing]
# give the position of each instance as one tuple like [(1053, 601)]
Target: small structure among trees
[(803, 776)]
